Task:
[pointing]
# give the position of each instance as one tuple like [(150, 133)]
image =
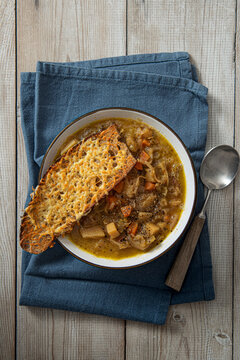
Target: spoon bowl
[(219, 167)]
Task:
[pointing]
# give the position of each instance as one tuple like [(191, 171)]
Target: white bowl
[(191, 184)]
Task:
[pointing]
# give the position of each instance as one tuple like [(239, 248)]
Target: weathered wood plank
[(204, 29), (7, 179), (66, 31), (236, 293)]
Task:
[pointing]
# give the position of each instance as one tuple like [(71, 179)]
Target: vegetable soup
[(142, 209)]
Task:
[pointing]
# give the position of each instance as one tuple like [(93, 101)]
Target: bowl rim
[(194, 177)]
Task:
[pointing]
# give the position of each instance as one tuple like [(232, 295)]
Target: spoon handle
[(179, 269)]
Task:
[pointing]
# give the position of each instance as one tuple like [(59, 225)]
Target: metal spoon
[(218, 169)]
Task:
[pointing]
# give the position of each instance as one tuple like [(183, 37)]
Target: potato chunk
[(94, 232), (140, 242), (121, 242), (131, 187), (146, 201), (152, 228), (143, 216), (145, 133), (132, 143), (112, 230)]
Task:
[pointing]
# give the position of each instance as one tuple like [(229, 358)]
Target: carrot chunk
[(138, 165), (149, 186), (166, 218), (112, 201), (126, 210), (143, 157), (132, 229), (119, 187), (145, 143)]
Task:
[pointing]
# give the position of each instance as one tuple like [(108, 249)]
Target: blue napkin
[(164, 85)]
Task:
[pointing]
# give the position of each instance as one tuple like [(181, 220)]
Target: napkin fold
[(164, 85)]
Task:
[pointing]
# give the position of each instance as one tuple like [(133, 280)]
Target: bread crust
[(72, 186)]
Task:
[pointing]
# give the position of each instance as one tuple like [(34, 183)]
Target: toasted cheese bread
[(72, 186)]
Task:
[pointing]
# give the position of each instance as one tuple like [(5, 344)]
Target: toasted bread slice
[(72, 186)]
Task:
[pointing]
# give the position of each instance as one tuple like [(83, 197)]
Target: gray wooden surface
[(68, 30)]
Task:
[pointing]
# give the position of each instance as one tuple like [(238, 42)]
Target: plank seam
[(234, 134), (126, 39), (16, 181), (125, 339)]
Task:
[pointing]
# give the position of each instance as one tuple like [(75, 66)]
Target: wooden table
[(68, 30)]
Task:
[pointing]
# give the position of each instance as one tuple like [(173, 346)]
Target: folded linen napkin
[(164, 85)]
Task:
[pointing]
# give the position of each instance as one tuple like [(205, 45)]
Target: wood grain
[(65, 31), (236, 247), (7, 179), (204, 29)]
